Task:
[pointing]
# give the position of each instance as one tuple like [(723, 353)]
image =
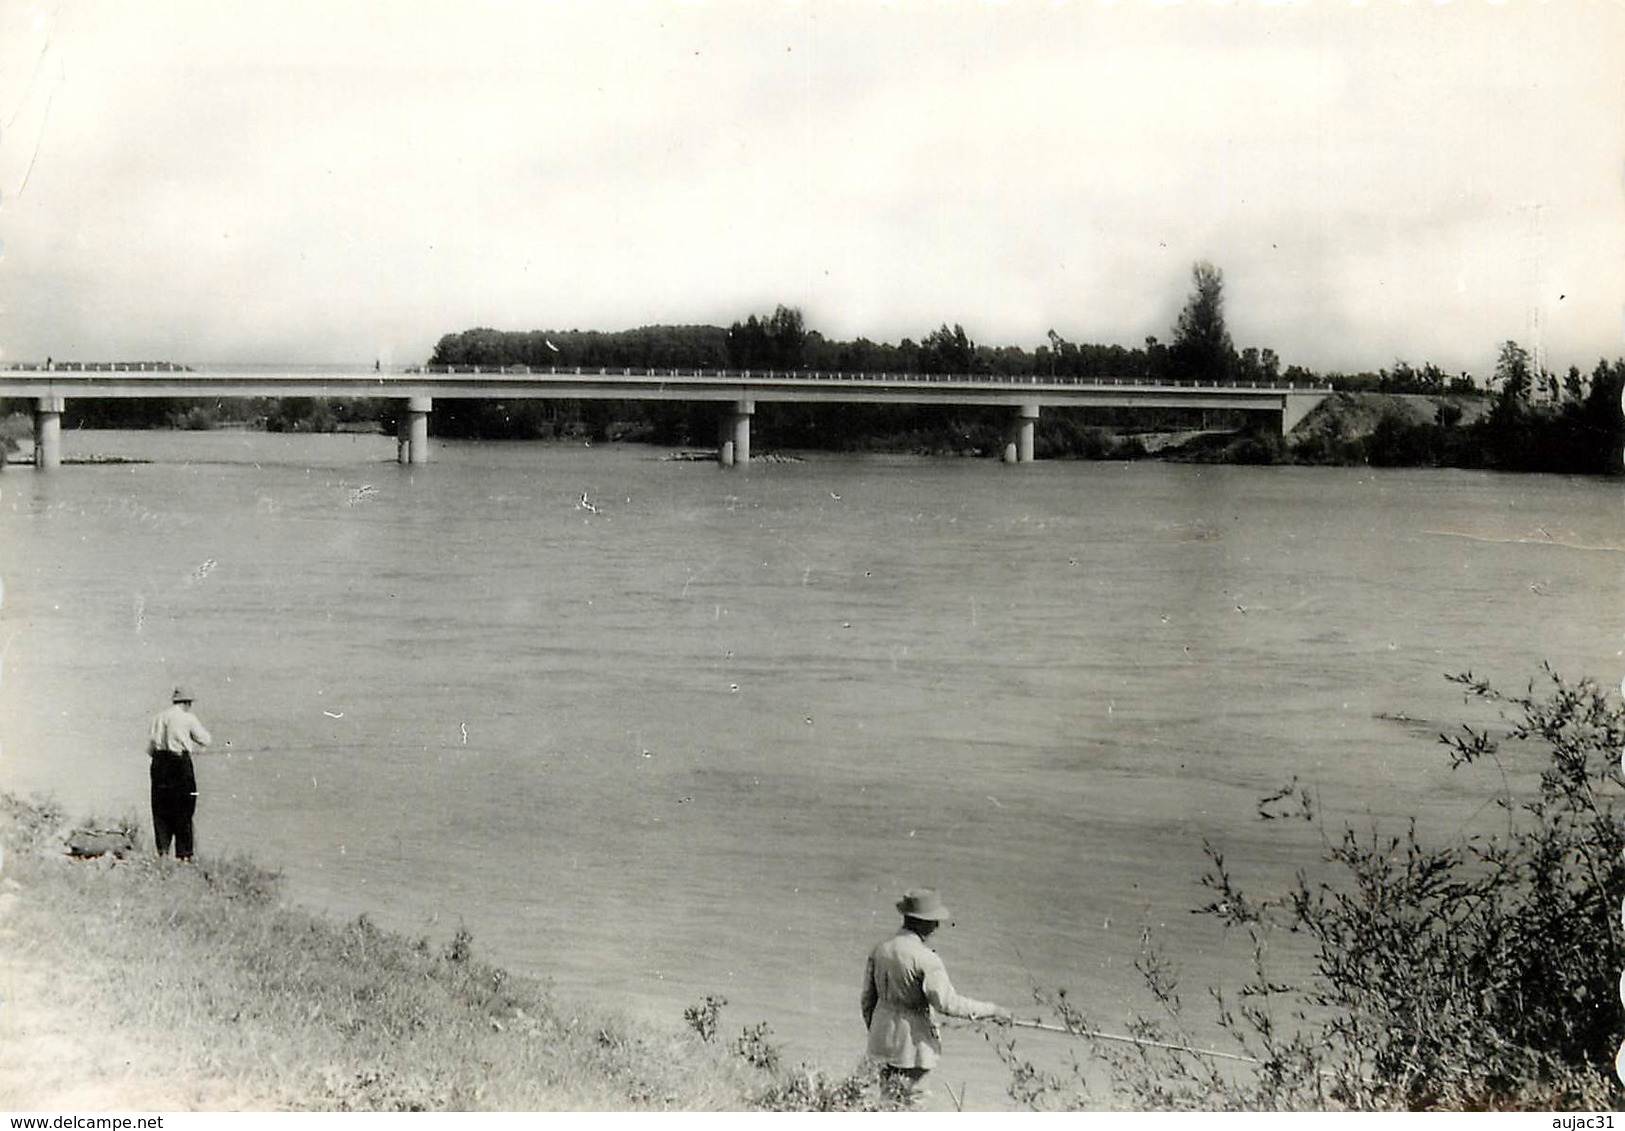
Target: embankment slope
[(147, 984)]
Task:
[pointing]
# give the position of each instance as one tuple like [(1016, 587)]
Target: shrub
[(14, 426), (802, 1088), (461, 947), (29, 826), (196, 418), (805, 1089), (755, 1047), (301, 414), (1397, 442), (1480, 974), (1258, 448), (703, 1018)]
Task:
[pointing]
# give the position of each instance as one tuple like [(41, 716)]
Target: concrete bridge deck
[(49, 386)]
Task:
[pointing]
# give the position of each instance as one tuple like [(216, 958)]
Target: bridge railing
[(817, 375), (680, 373), (96, 367)]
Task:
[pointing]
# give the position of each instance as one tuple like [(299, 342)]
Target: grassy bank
[(1473, 965), (145, 984)]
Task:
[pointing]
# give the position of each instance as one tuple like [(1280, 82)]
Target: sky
[(348, 180)]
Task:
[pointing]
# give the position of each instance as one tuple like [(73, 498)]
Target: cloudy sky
[(344, 180)]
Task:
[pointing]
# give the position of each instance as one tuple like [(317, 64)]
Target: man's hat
[(922, 903), (181, 695)]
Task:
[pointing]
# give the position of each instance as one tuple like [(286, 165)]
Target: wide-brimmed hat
[(922, 903), (180, 695)]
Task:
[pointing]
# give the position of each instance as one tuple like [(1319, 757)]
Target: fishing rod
[(1146, 1042)]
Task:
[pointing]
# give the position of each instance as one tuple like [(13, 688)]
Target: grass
[(144, 983), (188, 986)]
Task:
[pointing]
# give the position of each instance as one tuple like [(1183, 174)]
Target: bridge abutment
[(412, 432), (1296, 406), (48, 432)]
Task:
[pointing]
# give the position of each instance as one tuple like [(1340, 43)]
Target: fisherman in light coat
[(905, 986)]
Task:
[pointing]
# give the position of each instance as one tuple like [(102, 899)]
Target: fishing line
[(1146, 1042), (1099, 1035)]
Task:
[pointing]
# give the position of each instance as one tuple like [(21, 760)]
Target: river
[(656, 730)]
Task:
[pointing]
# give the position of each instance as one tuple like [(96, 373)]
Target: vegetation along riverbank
[(1477, 971)]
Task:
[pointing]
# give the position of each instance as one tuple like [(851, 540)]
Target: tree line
[(1538, 420), (1200, 350)]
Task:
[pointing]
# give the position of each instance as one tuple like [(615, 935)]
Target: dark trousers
[(174, 800)]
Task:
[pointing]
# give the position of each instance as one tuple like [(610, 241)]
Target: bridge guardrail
[(694, 373), (679, 373), (97, 367)]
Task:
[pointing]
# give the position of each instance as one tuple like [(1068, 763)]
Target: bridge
[(49, 385)]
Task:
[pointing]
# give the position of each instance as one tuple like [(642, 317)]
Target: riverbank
[(1347, 429), (1368, 429), (140, 983), (1344, 430)]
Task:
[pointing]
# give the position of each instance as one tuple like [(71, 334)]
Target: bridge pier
[(412, 432), (733, 438), (725, 440), (1019, 447), (48, 432)]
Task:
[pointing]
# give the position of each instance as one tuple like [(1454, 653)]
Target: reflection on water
[(657, 730)]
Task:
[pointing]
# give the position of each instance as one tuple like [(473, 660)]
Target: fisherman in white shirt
[(176, 733)]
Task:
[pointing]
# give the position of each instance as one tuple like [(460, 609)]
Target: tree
[(747, 344), (1249, 366), (1574, 386), (1599, 430), (778, 341), (946, 351), (1513, 373), (1157, 363), (1202, 350), (1271, 363), (787, 337)]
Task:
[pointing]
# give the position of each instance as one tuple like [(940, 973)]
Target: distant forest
[(1535, 420), (780, 341)]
